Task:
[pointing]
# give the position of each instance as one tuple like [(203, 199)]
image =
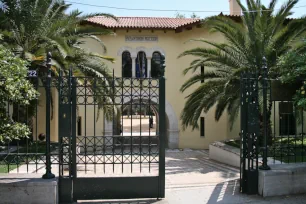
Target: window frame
[(287, 121), (138, 75), (202, 126), (129, 62), (202, 73), (157, 61)]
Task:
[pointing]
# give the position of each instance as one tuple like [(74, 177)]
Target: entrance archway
[(172, 125)]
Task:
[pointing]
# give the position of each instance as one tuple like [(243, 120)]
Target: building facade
[(137, 46)]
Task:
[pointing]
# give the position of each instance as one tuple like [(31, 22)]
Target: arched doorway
[(172, 123), (137, 118)]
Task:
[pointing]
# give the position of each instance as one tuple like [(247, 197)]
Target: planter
[(283, 92), (221, 152), (224, 153)]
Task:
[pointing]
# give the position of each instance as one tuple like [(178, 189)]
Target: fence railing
[(282, 136), (28, 154), (287, 142), (32, 153)]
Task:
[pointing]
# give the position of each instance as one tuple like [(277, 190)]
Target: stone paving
[(138, 125), (192, 178)]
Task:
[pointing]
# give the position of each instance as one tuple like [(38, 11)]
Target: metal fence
[(28, 154), (272, 126), (286, 142), (279, 123), (80, 132)]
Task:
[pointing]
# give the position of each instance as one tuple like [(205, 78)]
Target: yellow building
[(139, 42), (137, 46)]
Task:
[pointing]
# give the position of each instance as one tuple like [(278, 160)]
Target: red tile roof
[(238, 17), (144, 22)]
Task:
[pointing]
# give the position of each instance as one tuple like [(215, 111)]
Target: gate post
[(48, 174), (162, 129), (265, 120), (249, 134), (73, 157), (243, 126), (65, 129)]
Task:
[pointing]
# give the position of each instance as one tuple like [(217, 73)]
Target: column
[(133, 67), (149, 67), (173, 138)]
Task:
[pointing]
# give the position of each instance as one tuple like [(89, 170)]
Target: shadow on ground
[(229, 193), (226, 192), (194, 162)]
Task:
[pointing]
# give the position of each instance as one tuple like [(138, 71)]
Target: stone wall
[(282, 179), (27, 188)]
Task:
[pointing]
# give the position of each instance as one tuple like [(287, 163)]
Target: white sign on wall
[(141, 38)]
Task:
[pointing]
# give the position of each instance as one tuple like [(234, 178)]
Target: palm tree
[(265, 33), (31, 28)]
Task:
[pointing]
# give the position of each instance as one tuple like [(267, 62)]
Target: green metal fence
[(272, 126), (79, 133), (35, 152)]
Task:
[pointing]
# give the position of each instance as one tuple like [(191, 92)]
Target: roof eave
[(143, 28)]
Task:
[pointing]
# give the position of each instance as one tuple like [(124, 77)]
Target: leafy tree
[(193, 15), (32, 28), (266, 33), (14, 88), (292, 67), (179, 15)]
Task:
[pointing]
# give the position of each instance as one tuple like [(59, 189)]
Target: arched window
[(155, 65), (141, 65), (126, 64)]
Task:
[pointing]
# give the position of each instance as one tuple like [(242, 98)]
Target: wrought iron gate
[(249, 134), (102, 155), (276, 125)]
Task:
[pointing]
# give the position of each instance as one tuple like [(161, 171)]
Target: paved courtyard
[(137, 125), (191, 177)]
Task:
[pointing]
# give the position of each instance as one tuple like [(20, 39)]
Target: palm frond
[(264, 33)]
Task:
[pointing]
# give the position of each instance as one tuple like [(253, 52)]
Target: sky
[(192, 5)]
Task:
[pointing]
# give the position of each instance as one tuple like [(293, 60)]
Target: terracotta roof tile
[(143, 22), (239, 16)]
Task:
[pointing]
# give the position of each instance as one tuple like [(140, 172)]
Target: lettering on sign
[(32, 73), (141, 38)]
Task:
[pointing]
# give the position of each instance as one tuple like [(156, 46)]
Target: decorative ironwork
[(136, 156), (110, 150), (108, 154), (48, 174), (249, 133), (265, 115), (275, 125), (32, 154), (285, 139)]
